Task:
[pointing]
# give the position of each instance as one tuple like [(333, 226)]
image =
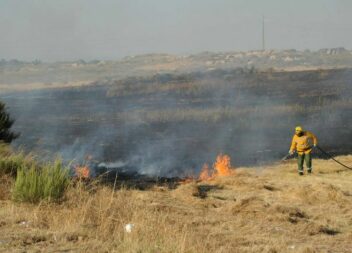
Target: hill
[(170, 124), (19, 75), (263, 209)]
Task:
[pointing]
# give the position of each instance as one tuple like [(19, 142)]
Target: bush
[(10, 161), (35, 184), (9, 165)]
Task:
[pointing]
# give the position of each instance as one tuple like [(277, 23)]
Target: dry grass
[(213, 115), (268, 209), (18, 87)]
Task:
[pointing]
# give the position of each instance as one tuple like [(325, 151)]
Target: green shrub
[(11, 164), (10, 161), (47, 183)]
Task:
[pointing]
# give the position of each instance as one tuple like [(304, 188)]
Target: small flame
[(205, 173), (82, 172), (221, 167)]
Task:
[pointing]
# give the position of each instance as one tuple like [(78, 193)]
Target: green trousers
[(304, 157)]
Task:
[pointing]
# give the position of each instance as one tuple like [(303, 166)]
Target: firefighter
[(303, 142)]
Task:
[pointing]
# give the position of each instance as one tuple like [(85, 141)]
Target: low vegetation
[(267, 209), (11, 162), (35, 184)]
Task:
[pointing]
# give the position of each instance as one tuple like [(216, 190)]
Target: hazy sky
[(110, 29)]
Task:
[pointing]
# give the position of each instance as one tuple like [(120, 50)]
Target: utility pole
[(263, 34)]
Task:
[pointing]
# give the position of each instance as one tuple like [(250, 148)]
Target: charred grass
[(257, 210), (178, 113)]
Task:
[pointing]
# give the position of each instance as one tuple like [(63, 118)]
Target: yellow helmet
[(299, 129)]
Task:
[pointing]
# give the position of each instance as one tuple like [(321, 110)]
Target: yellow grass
[(5, 88), (268, 209)]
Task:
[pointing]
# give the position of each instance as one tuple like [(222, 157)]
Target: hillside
[(170, 124), (19, 75), (263, 209)]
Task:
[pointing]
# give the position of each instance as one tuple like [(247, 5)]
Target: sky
[(57, 30)]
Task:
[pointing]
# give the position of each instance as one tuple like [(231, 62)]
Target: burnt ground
[(171, 124)]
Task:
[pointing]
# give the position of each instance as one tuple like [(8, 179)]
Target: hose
[(285, 157), (330, 156)]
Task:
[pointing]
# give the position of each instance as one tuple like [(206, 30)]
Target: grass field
[(262, 209), (169, 125)]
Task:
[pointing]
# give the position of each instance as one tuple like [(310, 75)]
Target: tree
[(6, 135)]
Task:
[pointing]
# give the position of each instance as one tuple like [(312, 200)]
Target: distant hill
[(43, 75)]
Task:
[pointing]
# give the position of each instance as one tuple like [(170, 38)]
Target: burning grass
[(255, 210), (222, 167)]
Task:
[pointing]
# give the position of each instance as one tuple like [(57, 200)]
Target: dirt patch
[(201, 191), (294, 214)]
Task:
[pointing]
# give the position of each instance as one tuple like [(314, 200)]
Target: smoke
[(171, 124)]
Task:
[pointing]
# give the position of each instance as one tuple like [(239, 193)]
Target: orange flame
[(221, 167), (205, 173), (82, 172)]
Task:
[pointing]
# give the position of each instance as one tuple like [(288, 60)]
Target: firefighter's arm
[(293, 145)]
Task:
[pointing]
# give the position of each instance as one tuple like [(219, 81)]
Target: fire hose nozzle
[(286, 157)]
